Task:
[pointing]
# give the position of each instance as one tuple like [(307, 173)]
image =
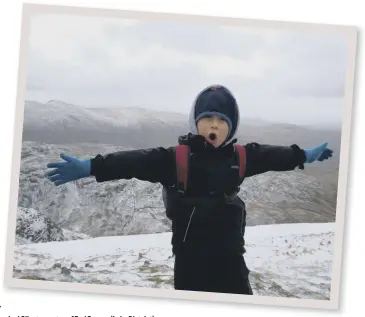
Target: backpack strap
[(241, 159), (182, 154)]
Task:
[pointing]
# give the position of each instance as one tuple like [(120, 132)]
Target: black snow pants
[(212, 273)]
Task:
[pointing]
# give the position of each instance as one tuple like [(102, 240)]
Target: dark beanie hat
[(216, 100)]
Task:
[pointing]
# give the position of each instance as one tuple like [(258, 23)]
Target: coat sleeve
[(153, 165), (262, 158)]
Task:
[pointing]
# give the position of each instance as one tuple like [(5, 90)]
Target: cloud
[(111, 62)]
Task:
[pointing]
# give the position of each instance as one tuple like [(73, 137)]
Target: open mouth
[(212, 136)]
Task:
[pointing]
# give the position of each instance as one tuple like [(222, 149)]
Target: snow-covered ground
[(286, 260)]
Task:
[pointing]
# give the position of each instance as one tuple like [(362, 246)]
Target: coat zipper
[(187, 228), (242, 215)]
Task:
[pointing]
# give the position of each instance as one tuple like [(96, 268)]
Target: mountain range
[(133, 207)]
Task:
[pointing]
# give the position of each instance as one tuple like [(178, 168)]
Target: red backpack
[(182, 154)]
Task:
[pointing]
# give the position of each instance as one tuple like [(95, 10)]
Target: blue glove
[(68, 171), (318, 153)]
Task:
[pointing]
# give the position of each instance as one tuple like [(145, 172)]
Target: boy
[(208, 223)]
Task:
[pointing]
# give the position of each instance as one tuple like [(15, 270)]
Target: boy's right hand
[(70, 170)]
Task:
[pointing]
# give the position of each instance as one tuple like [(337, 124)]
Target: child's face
[(216, 125)]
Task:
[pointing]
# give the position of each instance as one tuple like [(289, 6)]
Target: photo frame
[(348, 32)]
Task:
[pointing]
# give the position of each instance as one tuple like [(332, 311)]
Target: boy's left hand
[(318, 153)]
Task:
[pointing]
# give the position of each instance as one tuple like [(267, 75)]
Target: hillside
[(135, 207), (292, 260)]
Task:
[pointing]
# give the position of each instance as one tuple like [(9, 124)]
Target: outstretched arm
[(262, 158), (153, 165)]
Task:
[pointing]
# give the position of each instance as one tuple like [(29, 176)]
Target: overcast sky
[(280, 75)]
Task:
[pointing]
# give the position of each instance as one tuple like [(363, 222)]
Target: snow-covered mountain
[(58, 122), (126, 207), (291, 260), (111, 208), (33, 226), (133, 207), (55, 112)]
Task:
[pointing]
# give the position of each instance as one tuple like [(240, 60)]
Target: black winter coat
[(217, 228)]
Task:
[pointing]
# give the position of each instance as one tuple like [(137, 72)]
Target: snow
[(39, 114), (291, 260), (36, 227), (106, 209)]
